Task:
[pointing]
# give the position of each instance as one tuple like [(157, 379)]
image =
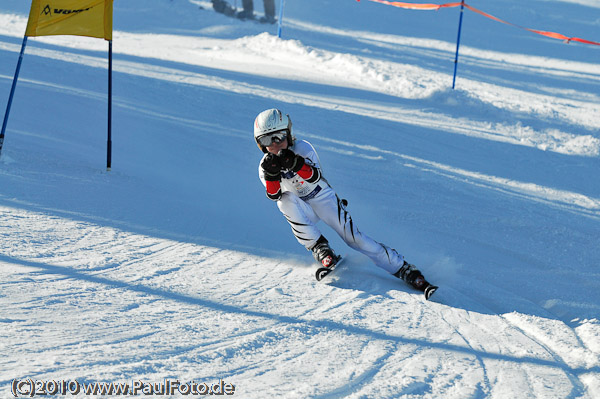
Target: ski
[(423, 285), (429, 290), (322, 272)]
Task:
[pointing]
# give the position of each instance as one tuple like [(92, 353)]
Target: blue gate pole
[(109, 138), (12, 93), (280, 18), (462, 9)]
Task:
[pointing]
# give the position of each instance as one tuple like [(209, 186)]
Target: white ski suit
[(306, 197)]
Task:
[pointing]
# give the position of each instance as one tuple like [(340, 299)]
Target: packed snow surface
[(174, 266)]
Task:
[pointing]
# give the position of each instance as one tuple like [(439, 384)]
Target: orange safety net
[(413, 6)]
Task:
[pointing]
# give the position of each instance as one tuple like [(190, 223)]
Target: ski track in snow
[(244, 333)]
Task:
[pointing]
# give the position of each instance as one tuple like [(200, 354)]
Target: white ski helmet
[(271, 121)]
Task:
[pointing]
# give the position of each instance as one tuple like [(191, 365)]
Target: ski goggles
[(272, 138)]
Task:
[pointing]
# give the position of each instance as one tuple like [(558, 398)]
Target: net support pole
[(462, 9), (280, 22)]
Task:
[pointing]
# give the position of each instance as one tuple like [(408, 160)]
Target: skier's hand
[(290, 160), (271, 166)]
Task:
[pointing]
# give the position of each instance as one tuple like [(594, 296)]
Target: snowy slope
[(175, 266)]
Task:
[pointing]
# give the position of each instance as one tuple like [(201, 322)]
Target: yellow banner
[(71, 17)]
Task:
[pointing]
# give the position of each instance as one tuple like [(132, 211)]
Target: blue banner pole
[(12, 93), (462, 9), (109, 139), (280, 19)]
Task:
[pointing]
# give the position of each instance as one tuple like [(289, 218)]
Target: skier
[(291, 172)]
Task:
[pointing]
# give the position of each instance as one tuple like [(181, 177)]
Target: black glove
[(271, 165), (290, 161)]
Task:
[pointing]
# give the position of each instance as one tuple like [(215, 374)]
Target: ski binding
[(324, 271)]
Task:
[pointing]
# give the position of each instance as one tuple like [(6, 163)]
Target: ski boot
[(414, 277), (223, 7), (246, 14), (323, 253), (267, 19)]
